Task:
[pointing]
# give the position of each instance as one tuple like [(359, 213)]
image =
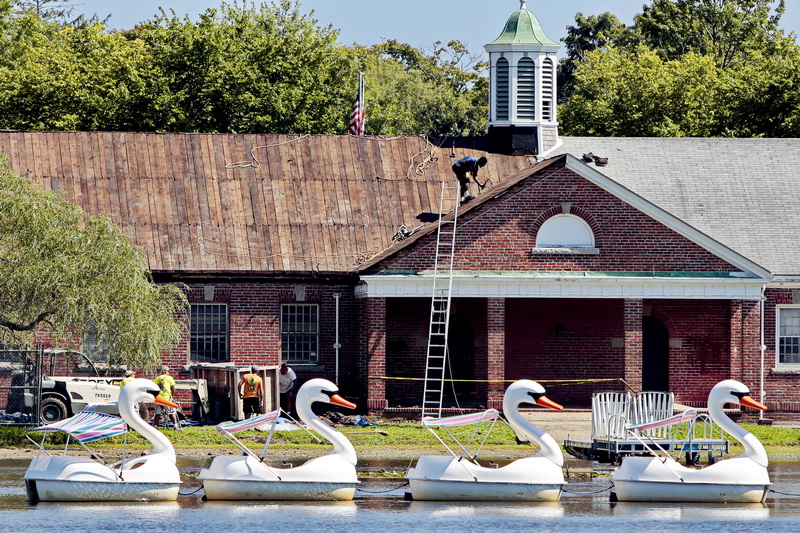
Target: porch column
[(495, 352), (632, 323), (374, 324), (735, 347)]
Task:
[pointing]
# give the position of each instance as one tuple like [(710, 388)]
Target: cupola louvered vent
[(526, 89), (501, 88)]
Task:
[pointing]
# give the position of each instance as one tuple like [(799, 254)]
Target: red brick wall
[(407, 322), (254, 315), (500, 234), (496, 352), (699, 331), (373, 323), (783, 389), (565, 339)]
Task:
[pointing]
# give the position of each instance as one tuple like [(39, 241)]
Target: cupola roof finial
[(522, 4)]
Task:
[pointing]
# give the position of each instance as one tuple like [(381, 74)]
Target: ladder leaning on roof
[(436, 359)]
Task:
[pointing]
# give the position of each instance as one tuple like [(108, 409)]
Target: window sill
[(786, 370), (566, 251)]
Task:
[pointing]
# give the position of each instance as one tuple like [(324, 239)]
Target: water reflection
[(380, 506), (664, 511), (460, 510)]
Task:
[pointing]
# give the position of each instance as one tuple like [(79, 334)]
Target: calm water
[(380, 508)]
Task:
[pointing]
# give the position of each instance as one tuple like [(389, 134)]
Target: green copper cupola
[(522, 106)]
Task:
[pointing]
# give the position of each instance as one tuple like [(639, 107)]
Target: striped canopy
[(461, 420), (250, 423), (86, 426), (676, 419)]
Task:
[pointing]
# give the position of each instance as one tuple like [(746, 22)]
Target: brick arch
[(566, 210), (666, 320)]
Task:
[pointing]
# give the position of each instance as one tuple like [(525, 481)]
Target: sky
[(416, 22)]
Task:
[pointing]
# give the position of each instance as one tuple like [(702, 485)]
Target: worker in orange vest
[(251, 390)]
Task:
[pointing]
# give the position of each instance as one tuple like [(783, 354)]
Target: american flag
[(357, 117)]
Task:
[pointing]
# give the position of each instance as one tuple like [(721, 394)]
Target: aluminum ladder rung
[(436, 357)]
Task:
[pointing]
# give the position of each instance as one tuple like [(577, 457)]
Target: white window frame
[(778, 363), (225, 335), (567, 243), (295, 337)]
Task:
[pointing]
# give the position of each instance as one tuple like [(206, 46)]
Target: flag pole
[(363, 102)]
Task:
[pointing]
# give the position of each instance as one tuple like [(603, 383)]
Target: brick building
[(672, 267)]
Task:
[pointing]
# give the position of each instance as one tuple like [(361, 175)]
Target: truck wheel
[(144, 413), (53, 409)]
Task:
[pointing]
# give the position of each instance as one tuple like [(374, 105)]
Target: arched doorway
[(655, 355), (461, 356)]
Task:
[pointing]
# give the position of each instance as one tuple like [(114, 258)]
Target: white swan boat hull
[(65, 478), (436, 489), (447, 478), (326, 478), (637, 491), (222, 489), (651, 479), (122, 491)]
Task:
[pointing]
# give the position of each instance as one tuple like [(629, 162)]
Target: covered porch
[(577, 334)]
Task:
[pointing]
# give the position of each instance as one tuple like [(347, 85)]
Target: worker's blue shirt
[(467, 164)]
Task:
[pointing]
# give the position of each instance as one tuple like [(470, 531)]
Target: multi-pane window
[(300, 333), (95, 346), (209, 333), (789, 335)]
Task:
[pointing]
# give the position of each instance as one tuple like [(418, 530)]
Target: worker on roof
[(464, 169)]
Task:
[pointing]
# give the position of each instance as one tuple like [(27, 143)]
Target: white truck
[(64, 396)]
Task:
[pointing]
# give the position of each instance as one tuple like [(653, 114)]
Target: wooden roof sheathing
[(213, 203)]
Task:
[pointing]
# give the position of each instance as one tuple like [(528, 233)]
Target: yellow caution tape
[(556, 381)]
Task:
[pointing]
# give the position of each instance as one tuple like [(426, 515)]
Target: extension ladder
[(436, 359)]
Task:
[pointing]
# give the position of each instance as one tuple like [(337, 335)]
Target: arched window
[(565, 231), (501, 88), (526, 89), (548, 75)]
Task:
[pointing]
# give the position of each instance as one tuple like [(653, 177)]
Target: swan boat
[(248, 477), (538, 478), (152, 476), (741, 479)]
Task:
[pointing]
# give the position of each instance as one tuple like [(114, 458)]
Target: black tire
[(52, 410), (144, 413)]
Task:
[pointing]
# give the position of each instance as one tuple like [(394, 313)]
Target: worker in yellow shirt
[(166, 383), (129, 375)]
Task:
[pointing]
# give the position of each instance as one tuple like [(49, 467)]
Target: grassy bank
[(385, 440)]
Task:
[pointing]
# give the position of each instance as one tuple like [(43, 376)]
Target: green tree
[(762, 95), (619, 93), (67, 274), (64, 78), (409, 92), (595, 32), (57, 11), (727, 30), (686, 68), (246, 69)]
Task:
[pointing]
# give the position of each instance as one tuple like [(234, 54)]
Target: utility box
[(222, 380)]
